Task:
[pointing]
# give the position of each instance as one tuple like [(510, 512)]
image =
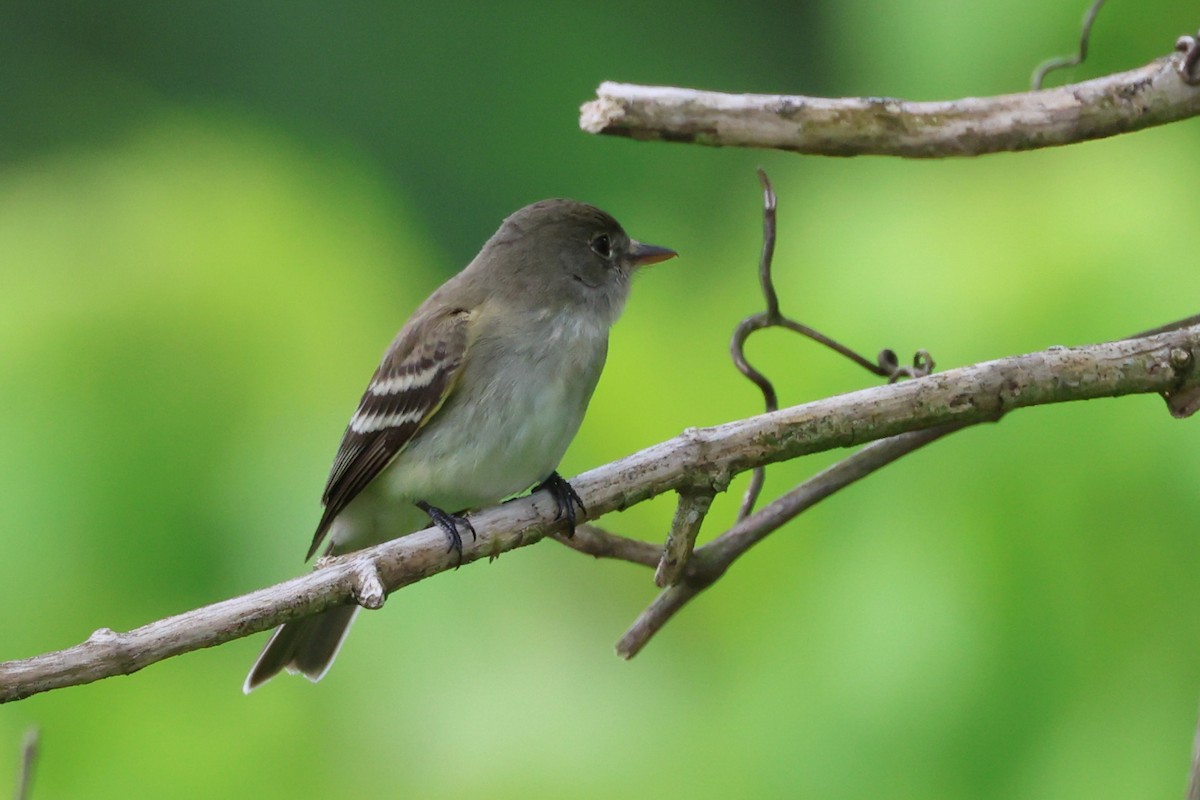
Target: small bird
[(475, 400)]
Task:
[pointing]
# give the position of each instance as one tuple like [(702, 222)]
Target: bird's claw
[(565, 498), (449, 523)]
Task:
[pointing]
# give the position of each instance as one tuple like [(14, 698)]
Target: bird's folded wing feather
[(412, 382)]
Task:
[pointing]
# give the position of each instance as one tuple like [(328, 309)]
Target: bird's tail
[(307, 646)]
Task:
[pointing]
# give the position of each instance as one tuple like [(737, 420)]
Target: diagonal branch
[(689, 516), (1154, 94), (710, 562), (1162, 363)]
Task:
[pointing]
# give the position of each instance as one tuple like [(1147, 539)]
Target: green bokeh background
[(213, 217)]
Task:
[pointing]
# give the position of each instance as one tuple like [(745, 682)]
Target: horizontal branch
[(1154, 94), (698, 459)]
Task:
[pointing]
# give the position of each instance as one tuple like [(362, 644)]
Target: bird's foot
[(565, 498), (450, 524)]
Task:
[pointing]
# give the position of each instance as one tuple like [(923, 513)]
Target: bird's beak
[(641, 255)]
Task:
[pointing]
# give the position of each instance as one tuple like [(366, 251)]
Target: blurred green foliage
[(214, 216)]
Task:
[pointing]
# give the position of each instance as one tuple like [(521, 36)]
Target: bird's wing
[(412, 382)]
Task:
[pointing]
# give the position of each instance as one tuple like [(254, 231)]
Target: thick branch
[(1154, 94), (1158, 363)]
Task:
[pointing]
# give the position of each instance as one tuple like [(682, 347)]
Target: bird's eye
[(601, 246)]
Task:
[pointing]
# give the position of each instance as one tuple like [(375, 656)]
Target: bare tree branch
[(597, 542), (689, 516), (1162, 363), (1155, 94), (710, 562)]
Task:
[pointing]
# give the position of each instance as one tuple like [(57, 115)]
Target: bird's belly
[(476, 453)]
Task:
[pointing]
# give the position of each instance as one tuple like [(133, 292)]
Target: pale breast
[(512, 415)]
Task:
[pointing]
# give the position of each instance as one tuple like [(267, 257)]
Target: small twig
[(29, 754), (747, 326), (1039, 74), (887, 365), (1190, 47), (711, 560), (767, 256), (689, 516), (656, 615), (595, 541), (368, 590)]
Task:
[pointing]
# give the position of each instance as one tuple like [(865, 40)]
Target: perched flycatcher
[(476, 398)]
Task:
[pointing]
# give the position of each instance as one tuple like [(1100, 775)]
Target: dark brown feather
[(417, 373)]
